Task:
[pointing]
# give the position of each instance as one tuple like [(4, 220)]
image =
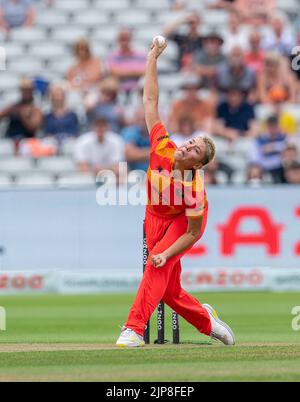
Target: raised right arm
[(151, 90)]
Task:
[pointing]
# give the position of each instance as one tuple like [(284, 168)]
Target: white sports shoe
[(220, 331), (130, 339)]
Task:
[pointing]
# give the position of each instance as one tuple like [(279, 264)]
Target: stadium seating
[(34, 179), (56, 165), (5, 180), (16, 165), (46, 49), (76, 179), (6, 147)]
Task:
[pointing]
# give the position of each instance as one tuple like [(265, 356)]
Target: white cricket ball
[(161, 40)]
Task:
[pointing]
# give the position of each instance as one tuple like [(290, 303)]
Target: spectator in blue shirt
[(16, 13), (235, 116), (106, 105), (61, 122), (267, 150), (137, 148)]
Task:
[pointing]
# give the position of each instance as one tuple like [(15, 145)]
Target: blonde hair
[(210, 153)]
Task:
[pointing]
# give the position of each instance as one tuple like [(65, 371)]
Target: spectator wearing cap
[(99, 150), (235, 116), (87, 70), (267, 150), (201, 111), (255, 56), (24, 118), (276, 75), (280, 38), (60, 123), (209, 58), (137, 142), (126, 64), (292, 173), (105, 104), (16, 13), (235, 72), (188, 43)]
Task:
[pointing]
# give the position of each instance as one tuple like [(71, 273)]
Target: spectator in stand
[(289, 155), (255, 56), (292, 174), (235, 116), (209, 58), (188, 42), (106, 105), (87, 71), (234, 34), (201, 111), (287, 121), (267, 150), (255, 12), (276, 75), (280, 38), (99, 150), (38, 147), (24, 118), (221, 4), (235, 72), (178, 5), (125, 63), (210, 173), (16, 13), (255, 175), (137, 148), (186, 130), (60, 123)]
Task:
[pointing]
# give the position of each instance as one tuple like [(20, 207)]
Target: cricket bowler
[(176, 217)]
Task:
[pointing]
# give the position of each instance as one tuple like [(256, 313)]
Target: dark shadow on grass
[(201, 343), (198, 343)]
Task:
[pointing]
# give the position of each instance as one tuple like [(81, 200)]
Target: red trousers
[(164, 283)]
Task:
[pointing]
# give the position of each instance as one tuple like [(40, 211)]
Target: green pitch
[(70, 338)]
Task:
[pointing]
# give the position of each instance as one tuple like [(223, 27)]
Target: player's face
[(191, 153)]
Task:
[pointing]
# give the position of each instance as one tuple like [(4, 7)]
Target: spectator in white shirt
[(235, 34), (281, 37), (99, 150)]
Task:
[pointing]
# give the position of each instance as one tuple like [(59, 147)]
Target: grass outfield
[(70, 338)]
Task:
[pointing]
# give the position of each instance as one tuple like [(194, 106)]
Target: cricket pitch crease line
[(57, 347)]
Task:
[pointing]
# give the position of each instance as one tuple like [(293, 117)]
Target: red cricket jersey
[(170, 194)]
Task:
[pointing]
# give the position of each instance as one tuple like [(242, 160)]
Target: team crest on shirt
[(163, 138)]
